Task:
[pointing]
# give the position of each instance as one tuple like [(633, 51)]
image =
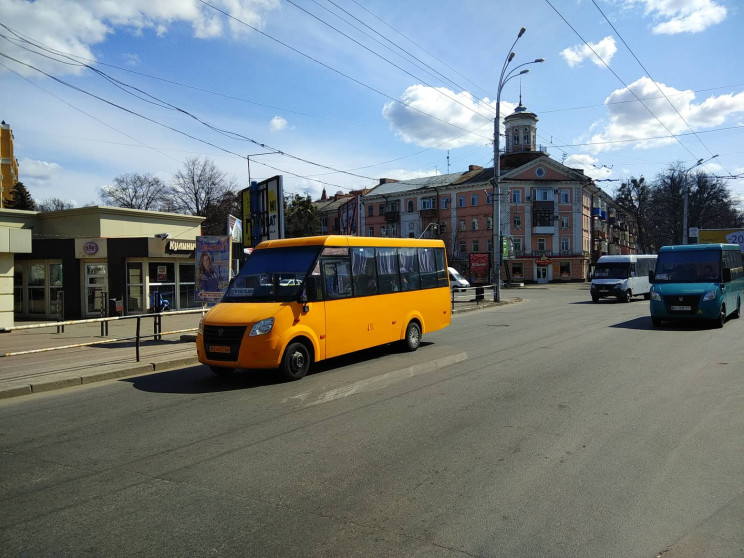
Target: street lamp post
[(495, 195), (686, 194)]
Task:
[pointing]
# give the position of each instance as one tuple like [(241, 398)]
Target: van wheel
[(413, 336), (295, 362), (595, 298), (626, 296), (721, 317), (656, 321), (221, 370)]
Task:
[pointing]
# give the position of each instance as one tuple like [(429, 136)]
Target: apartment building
[(556, 221), (8, 162)]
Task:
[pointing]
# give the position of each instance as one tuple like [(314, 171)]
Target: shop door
[(542, 274), (95, 288)]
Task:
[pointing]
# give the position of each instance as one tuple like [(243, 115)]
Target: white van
[(622, 277), (457, 281)]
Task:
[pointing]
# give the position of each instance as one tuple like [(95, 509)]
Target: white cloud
[(604, 49), (76, 26), (589, 165), (131, 59), (40, 172), (683, 16), (277, 124), (629, 120), (459, 118)]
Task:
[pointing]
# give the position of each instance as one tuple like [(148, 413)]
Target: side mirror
[(651, 275), (726, 275)]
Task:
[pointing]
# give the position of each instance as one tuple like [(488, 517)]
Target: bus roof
[(696, 247), (624, 258), (339, 240)]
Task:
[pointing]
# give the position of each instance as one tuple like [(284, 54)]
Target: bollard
[(479, 296)]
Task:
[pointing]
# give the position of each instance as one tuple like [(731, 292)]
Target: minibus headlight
[(262, 328), (655, 295), (710, 295)]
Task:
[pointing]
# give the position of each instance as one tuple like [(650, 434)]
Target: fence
[(157, 335)]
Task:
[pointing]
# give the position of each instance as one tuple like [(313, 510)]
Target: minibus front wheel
[(296, 361), (721, 316)]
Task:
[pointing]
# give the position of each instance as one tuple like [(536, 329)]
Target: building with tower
[(555, 220)]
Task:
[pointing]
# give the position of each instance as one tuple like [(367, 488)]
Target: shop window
[(518, 271), (135, 302), (162, 278), (56, 291), (565, 270), (18, 299), (36, 288), (186, 287)]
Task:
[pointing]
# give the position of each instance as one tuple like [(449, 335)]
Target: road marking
[(380, 382)]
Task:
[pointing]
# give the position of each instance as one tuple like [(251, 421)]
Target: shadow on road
[(199, 379)]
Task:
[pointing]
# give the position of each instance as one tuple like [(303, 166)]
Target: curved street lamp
[(686, 186), (495, 197)]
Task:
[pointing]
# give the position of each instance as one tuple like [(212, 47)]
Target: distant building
[(558, 220), (8, 162), (339, 214)]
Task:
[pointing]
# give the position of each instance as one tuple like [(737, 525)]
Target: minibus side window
[(336, 279), (388, 276), (364, 271), (409, 269)]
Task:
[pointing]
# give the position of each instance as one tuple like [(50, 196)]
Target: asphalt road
[(553, 427)]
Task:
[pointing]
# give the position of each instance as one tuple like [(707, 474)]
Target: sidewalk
[(50, 370)]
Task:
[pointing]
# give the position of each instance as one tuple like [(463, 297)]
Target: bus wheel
[(413, 336), (626, 296), (295, 362), (221, 370), (721, 317)]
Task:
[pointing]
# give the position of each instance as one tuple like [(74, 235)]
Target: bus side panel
[(310, 324), (353, 324)]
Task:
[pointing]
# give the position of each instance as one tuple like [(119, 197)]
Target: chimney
[(387, 180), (475, 168)]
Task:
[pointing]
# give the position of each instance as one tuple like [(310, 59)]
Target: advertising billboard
[(727, 236), (212, 267), (263, 211)]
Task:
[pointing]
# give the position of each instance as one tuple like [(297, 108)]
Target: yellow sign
[(726, 236)]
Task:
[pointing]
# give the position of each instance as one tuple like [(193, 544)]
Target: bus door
[(347, 327)]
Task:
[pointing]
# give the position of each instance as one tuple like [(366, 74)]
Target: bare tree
[(53, 204), (198, 187), (135, 191)]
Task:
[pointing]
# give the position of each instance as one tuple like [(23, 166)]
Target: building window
[(517, 222), (427, 203), (461, 247), (541, 244), (543, 194), (371, 231), (474, 199), (489, 198), (489, 223), (516, 196), (411, 230), (461, 201), (565, 196), (410, 206), (517, 270), (462, 224), (445, 203), (517, 243), (476, 245), (382, 209), (474, 224), (370, 210), (565, 270), (565, 245), (564, 222), (489, 244)]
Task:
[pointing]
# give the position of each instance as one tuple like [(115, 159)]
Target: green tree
[(301, 218), (19, 198)]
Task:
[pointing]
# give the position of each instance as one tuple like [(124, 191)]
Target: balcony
[(428, 213), (543, 230), (392, 215)]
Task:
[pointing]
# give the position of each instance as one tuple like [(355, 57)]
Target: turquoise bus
[(697, 282)]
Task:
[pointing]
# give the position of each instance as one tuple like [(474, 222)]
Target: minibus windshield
[(612, 270), (694, 266), (272, 275)]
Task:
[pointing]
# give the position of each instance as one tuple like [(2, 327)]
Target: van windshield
[(272, 275), (612, 270), (695, 266)]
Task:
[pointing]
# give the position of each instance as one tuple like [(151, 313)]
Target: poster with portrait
[(212, 267)]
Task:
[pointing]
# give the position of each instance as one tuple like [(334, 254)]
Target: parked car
[(457, 281)]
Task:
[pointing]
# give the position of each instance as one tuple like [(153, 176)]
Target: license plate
[(604, 290), (219, 348), (681, 308)]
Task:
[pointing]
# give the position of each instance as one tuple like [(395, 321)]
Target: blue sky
[(345, 92)]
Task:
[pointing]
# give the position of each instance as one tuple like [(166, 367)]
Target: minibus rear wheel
[(296, 361), (413, 336)]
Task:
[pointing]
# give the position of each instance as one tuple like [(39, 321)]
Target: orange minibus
[(302, 300)]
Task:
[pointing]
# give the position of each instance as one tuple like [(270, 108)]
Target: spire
[(323, 196)]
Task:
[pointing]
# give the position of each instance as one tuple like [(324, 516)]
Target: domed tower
[(521, 130)]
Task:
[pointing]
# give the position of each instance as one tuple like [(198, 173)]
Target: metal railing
[(157, 335)]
